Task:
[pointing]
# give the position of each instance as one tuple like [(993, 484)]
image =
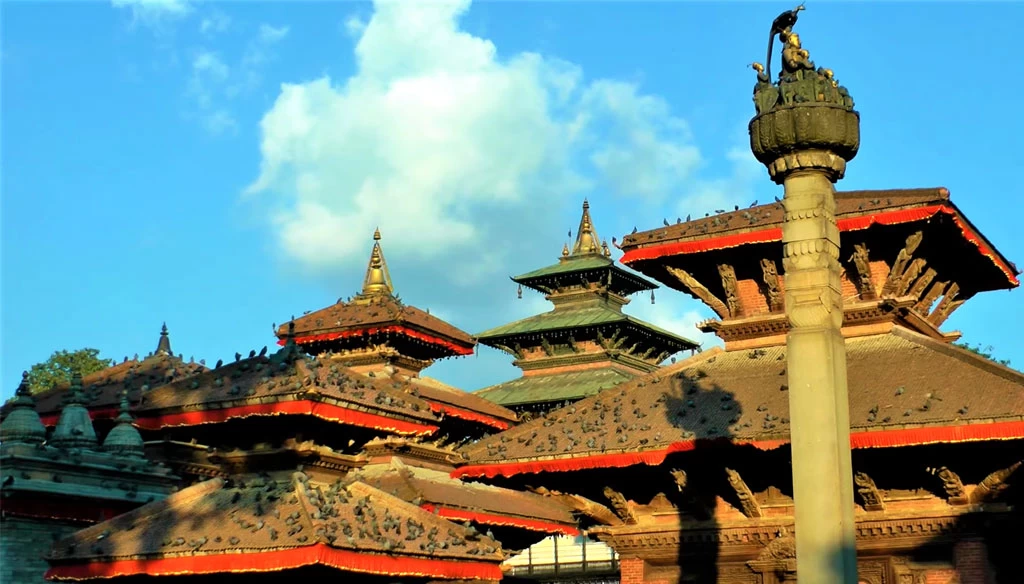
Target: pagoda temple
[(102, 391), (694, 457), (585, 344), (52, 488), (291, 461), (377, 334)]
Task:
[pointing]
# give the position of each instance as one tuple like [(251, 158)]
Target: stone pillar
[(804, 133)]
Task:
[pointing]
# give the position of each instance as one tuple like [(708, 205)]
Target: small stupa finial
[(163, 347), (74, 427), (124, 438), (378, 280), (586, 236), (22, 423)]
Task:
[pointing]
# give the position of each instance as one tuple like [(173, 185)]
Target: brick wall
[(22, 545), (632, 570), (971, 560)]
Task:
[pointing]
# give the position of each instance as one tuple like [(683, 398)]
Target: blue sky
[(221, 166)]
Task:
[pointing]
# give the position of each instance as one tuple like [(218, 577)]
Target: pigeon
[(665, 221), (634, 230), (687, 217), (754, 204)]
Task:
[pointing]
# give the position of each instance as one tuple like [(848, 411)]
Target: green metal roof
[(556, 387), (570, 265), (573, 318)]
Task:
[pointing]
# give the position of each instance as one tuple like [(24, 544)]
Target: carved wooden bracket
[(913, 271), (922, 283), (770, 277), (699, 291), (731, 288), (748, 504), (952, 484), (946, 306), (992, 486), (546, 346), (900, 265), (924, 305), (860, 261), (622, 507), (581, 505), (868, 492)]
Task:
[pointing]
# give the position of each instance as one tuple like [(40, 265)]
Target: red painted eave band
[(501, 520), (329, 412), (467, 415), (402, 330), (858, 440), (848, 224), (277, 560)]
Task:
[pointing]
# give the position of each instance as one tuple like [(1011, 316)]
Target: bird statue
[(782, 22), (762, 77)]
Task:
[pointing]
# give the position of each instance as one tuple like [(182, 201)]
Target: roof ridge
[(969, 357)]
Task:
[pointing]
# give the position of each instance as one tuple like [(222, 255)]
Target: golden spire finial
[(565, 250), (586, 237), (378, 279)]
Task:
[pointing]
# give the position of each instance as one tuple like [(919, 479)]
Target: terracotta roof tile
[(433, 390), (103, 388), (382, 310), (263, 379), (436, 487), (848, 203), (258, 514), (897, 380)]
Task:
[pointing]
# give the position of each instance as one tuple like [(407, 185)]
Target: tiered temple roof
[(102, 390), (586, 343), (905, 389), (910, 257), (276, 523), (376, 334), (375, 326)]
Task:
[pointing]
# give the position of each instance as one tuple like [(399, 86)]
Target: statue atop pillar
[(804, 92)]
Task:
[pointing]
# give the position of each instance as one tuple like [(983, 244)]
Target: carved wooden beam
[(748, 504), (952, 484), (994, 484), (699, 291), (582, 505), (900, 265), (573, 346), (662, 356), (731, 288), (868, 492), (860, 261), (647, 353), (621, 506), (943, 308), (924, 305), (922, 283), (518, 351), (770, 277), (913, 271)]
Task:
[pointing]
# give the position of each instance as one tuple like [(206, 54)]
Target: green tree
[(62, 365), (985, 352)]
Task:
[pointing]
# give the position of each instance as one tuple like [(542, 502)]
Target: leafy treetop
[(59, 368)]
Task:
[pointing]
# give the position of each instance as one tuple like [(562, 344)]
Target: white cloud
[(208, 77), (270, 34), (439, 139), (354, 26), (214, 22), (709, 195), (154, 12), (675, 312)]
